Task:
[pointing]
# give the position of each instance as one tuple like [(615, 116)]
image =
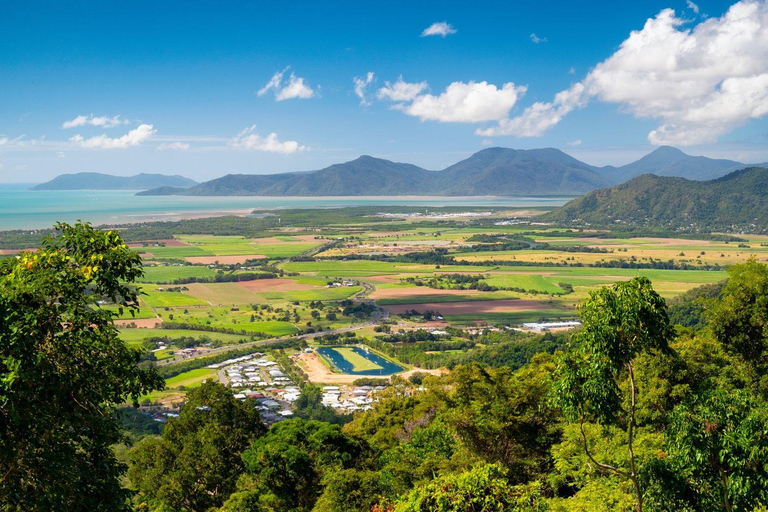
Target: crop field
[(136, 336), (169, 273), (237, 245), (373, 280)]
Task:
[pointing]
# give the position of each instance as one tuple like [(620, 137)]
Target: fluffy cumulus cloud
[(698, 82), (539, 117), (287, 90), (250, 140), (470, 102), (175, 146), (361, 86), (401, 91), (692, 6), (91, 120), (130, 139), (442, 29)]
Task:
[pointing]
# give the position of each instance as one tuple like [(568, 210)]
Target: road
[(363, 296)]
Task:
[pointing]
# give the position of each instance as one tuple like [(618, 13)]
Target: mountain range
[(738, 200), (492, 171), (99, 181)]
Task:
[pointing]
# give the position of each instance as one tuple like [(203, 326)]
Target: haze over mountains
[(99, 181)]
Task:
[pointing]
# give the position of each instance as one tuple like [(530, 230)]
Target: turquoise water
[(387, 367), (21, 208)]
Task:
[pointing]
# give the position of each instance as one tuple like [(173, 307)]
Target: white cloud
[(91, 120), (178, 146), (61, 154), (472, 102), (3, 141), (274, 83), (536, 39), (439, 29), (574, 143), (132, 138), (539, 117), (572, 71), (400, 90), (692, 6), (486, 142), (249, 139), (361, 84), (295, 88), (699, 82)]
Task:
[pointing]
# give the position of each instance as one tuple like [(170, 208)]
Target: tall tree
[(64, 369), (619, 323)]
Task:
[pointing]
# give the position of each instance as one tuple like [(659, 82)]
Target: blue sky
[(172, 87)]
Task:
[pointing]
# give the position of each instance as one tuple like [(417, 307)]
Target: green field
[(359, 363), (168, 274), (190, 379), (136, 336)]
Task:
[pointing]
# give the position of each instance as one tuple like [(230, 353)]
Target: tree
[(618, 324), (286, 466), (717, 454), (64, 369), (484, 488), (195, 464), (739, 320)]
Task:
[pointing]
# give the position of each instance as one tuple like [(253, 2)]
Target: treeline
[(225, 278), (193, 326), (502, 349)]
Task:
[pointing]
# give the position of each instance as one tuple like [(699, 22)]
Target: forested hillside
[(736, 201)]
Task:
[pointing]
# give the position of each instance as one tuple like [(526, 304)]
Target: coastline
[(22, 209)]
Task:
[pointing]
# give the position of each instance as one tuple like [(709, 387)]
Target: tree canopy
[(63, 370)]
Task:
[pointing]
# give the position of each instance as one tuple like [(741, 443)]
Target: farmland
[(334, 273)]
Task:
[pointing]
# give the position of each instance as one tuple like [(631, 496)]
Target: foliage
[(619, 323), (64, 370), (195, 464), (289, 463), (484, 488), (688, 308), (739, 320)]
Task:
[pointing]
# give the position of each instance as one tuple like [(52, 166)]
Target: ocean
[(21, 208)]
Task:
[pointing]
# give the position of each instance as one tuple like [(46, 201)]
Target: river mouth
[(368, 363)]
